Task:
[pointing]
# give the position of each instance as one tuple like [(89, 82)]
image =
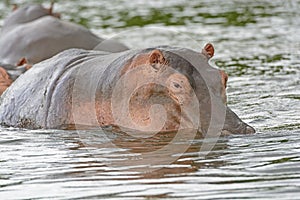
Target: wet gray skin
[(53, 93), (35, 33), (24, 15)]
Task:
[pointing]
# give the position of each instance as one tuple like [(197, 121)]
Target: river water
[(256, 42)]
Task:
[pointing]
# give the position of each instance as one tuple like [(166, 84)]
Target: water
[(257, 43)]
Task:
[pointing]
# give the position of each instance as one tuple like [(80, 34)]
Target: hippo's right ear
[(208, 50)]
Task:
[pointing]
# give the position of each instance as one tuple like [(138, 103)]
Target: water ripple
[(256, 43)]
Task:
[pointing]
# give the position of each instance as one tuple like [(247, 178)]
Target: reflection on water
[(256, 42), (58, 164)]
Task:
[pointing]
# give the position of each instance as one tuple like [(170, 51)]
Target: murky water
[(256, 42)]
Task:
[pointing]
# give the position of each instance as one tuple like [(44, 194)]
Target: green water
[(256, 42)]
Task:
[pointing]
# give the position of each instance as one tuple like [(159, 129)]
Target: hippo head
[(171, 88), (27, 14)]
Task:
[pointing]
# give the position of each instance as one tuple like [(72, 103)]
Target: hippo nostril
[(249, 130), (177, 85)]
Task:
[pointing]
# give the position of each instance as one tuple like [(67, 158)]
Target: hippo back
[(42, 39), (24, 14), (42, 97)]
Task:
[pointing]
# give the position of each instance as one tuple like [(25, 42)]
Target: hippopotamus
[(36, 33), (33, 33), (154, 89)]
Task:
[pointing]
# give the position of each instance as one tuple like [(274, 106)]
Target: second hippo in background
[(36, 33), (32, 33)]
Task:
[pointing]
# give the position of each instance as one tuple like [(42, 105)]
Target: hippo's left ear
[(15, 7), (208, 50), (51, 8), (156, 57), (23, 62)]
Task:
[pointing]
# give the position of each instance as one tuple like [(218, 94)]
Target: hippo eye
[(176, 85)]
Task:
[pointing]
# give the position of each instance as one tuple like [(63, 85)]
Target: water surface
[(256, 42)]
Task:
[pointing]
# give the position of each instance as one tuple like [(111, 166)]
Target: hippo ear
[(224, 77), (156, 57), (51, 8), (208, 50), (22, 61), (15, 7)]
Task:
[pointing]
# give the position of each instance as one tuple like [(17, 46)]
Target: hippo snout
[(234, 125), (249, 129)]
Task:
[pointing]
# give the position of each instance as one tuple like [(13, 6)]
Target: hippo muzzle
[(234, 125)]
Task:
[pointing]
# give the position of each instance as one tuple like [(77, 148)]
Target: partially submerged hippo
[(36, 33), (158, 89), (33, 33)]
